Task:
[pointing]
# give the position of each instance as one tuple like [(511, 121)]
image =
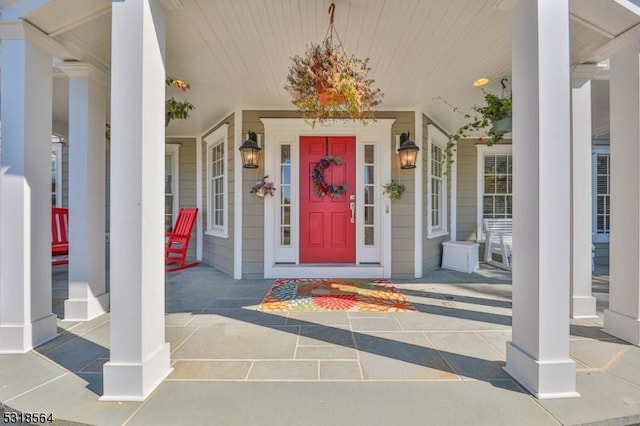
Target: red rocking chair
[(59, 238), (178, 240)]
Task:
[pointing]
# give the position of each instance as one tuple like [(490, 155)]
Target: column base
[(18, 339), (545, 380), (583, 307), (86, 309), (135, 381), (622, 326)]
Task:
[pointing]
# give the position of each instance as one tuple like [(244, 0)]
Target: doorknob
[(352, 206)]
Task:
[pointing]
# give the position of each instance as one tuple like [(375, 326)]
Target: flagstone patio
[(235, 365)]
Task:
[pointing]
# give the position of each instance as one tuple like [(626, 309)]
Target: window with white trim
[(56, 171), (495, 184), (437, 185), (171, 185), (601, 196), (217, 176)]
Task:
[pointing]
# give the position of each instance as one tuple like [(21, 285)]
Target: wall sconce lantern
[(408, 152), (250, 151)]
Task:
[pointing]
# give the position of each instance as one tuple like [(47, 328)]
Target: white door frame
[(280, 131)]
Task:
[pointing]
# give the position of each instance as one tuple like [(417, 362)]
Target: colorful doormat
[(335, 295)]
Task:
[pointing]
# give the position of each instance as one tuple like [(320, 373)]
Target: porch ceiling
[(237, 53)]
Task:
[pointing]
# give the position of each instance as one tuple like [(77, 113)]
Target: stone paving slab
[(284, 370), (240, 342), (340, 370), (74, 397), (325, 352), (603, 398), (597, 353), (210, 370), (401, 356), (469, 356), (20, 373), (341, 404)]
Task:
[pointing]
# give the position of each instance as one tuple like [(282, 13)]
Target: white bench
[(498, 240)]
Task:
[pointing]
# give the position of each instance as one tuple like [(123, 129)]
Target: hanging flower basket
[(177, 110), (325, 83), (503, 126), (263, 188), (394, 190)]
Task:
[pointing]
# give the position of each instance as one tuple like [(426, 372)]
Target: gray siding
[(187, 180), (65, 173), (253, 207), (217, 251), (402, 211), (601, 254), (431, 247), (467, 190)]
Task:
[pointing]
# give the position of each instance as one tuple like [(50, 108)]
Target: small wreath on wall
[(320, 186)]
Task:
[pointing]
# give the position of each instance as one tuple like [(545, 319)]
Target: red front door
[(327, 227)]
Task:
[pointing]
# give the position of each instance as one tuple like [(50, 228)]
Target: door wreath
[(320, 186)]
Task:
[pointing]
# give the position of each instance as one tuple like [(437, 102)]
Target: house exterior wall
[(218, 251), (431, 247), (402, 211), (187, 181)]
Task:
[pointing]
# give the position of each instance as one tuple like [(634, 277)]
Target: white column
[(622, 317), (538, 355), (26, 319), (87, 153), (583, 304), (139, 357)]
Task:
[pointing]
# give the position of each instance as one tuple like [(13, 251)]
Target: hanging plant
[(394, 190), (320, 186), (177, 110), (493, 118), (263, 188), (326, 84)]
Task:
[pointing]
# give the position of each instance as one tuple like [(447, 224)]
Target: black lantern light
[(250, 151), (408, 152)]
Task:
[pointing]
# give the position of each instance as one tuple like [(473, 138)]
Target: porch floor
[(234, 365)]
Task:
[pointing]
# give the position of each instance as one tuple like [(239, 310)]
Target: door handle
[(352, 206)]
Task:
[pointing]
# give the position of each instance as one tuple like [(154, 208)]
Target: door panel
[(327, 234)]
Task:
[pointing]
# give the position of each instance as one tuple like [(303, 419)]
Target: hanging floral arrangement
[(263, 188), (177, 110), (320, 186), (325, 83)]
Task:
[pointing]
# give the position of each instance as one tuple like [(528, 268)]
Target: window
[(217, 199), (56, 171), (437, 184), (171, 185), (369, 196), (601, 222), (495, 183), (285, 195)]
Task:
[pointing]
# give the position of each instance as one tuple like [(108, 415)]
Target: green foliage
[(494, 109), (178, 110), (394, 190)]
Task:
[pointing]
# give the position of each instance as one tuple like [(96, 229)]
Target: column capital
[(83, 69), (22, 30)]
